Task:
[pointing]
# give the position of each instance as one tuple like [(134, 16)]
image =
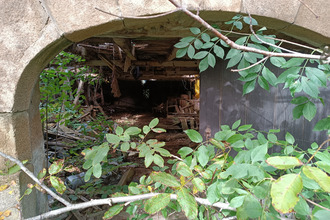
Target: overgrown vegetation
[(207, 182)]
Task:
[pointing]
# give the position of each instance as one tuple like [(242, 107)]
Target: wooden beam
[(102, 63), (166, 63), (172, 55), (125, 45)]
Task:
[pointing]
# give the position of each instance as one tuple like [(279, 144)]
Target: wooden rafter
[(125, 45)]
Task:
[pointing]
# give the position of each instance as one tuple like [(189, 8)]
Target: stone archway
[(33, 32)]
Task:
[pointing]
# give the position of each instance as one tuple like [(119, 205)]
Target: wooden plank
[(125, 45)]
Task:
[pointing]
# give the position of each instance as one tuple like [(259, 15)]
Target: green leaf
[(284, 192), (183, 169), (299, 100), (238, 25), (199, 184), (293, 62), (158, 130), (236, 124), (323, 165), (154, 122), (165, 179), (202, 155), (112, 138), (283, 162), (28, 191), (317, 76), (133, 131), (232, 53), (249, 20), (249, 86), (203, 64), (88, 174), (163, 152), (319, 176), (237, 201), (272, 138), (244, 127), (119, 130), (188, 39), (181, 44), (187, 203), (184, 151), (146, 129), (211, 60), (56, 167), (125, 146), (149, 158), (219, 52), (191, 51), (58, 184), (302, 208), (309, 87), (250, 209), (309, 110), (97, 170), (194, 136), (289, 138), (235, 60), (297, 112), (195, 30), (42, 173), (269, 76), (293, 71), (181, 52), (112, 211), (323, 124), (200, 55), (198, 44), (322, 215), (207, 45), (259, 153), (157, 203), (277, 61), (263, 83), (101, 153), (205, 37), (158, 160)]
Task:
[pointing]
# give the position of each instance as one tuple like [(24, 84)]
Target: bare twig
[(124, 199), (140, 17), (176, 157), (314, 203), (232, 44), (309, 8), (256, 63), (264, 42), (35, 179), (318, 149)]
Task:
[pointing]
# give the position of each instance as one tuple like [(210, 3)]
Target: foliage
[(257, 183), (303, 77)]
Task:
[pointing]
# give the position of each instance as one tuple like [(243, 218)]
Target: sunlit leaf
[(154, 122), (187, 203), (194, 135), (56, 167), (283, 162), (165, 179), (309, 110), (183, 169), (195, 30), (58, 184), (112, 211), (156, 203), (199, 184), (319, 176), (284, 192)]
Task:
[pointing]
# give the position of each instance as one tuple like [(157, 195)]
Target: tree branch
[(35, 179), (232, 44), (125, 199), (246, 68)]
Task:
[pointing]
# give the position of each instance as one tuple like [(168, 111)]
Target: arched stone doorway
[(33, 32)]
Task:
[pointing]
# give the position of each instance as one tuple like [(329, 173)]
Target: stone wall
[(33, 32)]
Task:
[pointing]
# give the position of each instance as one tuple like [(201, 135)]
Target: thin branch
[(314, 203), (309, 8), (124, 199), (35, 179), (264, 42), (232, 44), (318, 149), (140, 17), (256, 63), (176, 157)]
